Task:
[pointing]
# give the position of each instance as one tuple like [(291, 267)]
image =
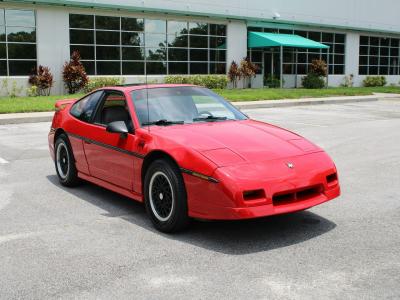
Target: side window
[(84, 108), (114, 109)]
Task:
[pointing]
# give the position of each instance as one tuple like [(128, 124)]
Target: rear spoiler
[(61, 104)]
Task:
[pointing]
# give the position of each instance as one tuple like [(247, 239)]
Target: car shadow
[(228, 237)]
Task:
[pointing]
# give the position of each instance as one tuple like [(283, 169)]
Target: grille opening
[(295, 196), (308, 193), (284, 198), (253, 195), (332, 179)]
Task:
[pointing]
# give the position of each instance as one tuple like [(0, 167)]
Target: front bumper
[(225, 200)]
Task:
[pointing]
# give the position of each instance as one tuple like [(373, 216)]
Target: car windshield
[(182, 105)]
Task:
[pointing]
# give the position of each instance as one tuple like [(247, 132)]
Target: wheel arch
[(58, 132), (153, 156)]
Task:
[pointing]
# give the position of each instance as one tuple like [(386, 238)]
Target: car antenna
[(147, 90)]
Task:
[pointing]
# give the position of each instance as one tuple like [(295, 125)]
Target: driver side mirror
[(118, 127)]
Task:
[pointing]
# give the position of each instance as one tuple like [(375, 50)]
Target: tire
[(165, 197), (65, 162)]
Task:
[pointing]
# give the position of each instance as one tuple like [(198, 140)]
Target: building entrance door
[(271, 64)]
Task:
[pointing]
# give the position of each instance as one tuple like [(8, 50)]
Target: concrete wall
[(53, 42), (290, 80), (236, 41), (14, 85), (352, 52)]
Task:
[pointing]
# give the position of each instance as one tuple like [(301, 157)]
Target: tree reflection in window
[(18, 39), (156, 46)]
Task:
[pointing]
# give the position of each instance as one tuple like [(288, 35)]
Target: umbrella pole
[(281, 64), (296, 62), (327, 75)]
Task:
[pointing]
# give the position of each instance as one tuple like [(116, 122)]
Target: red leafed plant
[(234, 74), (319, 68), (247, 70), (42, 78), (74, 74)]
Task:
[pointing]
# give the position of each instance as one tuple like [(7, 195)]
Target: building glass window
[(17, 42), (336, 42), (379, 56), (132, 46)]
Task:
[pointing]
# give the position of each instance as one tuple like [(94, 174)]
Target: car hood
[(232, 142)]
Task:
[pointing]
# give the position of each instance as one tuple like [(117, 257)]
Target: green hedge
[(313, 81), (208, 81), (373, 81), (99, 82)]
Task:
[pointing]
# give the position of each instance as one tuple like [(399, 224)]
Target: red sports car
[(187, 153)]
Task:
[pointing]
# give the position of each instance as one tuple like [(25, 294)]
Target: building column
[(352, 55), (236, 43), (53, 42)]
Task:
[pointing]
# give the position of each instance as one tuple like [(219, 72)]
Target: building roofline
[(251, 21)]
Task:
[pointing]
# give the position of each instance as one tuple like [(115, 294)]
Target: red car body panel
[(231, 169)]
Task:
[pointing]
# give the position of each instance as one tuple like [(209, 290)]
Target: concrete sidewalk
[(47, 116)]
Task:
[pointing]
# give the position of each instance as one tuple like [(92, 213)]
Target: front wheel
[(165, 197), (65, 163)]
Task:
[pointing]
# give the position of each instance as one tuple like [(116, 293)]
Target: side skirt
[(111, 187)]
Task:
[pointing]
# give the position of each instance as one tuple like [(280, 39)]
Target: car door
[(111, 156), (83, 111)]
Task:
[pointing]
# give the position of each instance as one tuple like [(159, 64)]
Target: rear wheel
[(65, 163), (165, 197)]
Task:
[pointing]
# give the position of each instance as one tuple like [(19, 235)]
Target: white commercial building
[(131, 38)]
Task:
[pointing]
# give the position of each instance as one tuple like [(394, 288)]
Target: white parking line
[(18, 236), (3, 161), (308, 124)]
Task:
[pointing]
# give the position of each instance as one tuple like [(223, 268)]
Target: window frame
[(9, 61), (100, 107), (372, 63), (95, 109), (150, 67)]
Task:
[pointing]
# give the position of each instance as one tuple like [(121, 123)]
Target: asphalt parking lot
[(90, 243)]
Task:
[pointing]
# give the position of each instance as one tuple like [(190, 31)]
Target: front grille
[(297, 195)]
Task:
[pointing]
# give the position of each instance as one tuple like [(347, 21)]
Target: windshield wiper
[(163, 122), (210, 119)]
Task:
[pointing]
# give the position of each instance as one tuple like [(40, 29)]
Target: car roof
[(133, 87)]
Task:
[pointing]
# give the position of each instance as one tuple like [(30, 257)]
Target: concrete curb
[(303, 102), (20, 118)]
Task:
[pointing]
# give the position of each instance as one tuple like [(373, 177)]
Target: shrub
[(272, 81), (372, 81), (315, 78), (74, 74), (313, 81), (208, 81), (348, 81), (99, 82), (42, 79), (234, 74), (32, 91)]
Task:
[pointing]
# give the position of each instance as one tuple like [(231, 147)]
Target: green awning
[(264, 39)]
